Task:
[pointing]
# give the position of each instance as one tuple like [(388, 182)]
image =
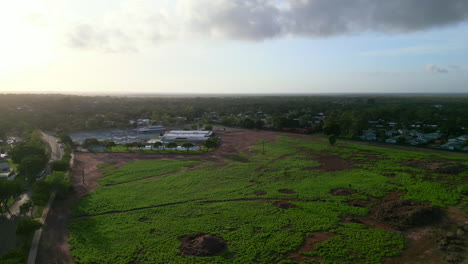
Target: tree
[(332, 140), (171, 145), (27, 226), (8, 190), (157, 144), (140, 145), (401, 140), (187, 145), (60, 183), (247, 123), (32, 165), (211, 143), (332, 129), (22, 150), (109, 144), (61, 165), (89, 142), (128, 145), (209, 127), (41, 192), (26, 207)]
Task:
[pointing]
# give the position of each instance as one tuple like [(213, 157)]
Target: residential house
[(5, 169)]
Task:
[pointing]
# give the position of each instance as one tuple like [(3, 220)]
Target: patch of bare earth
[(287, 191), (202, 245), (432, 236), (343, 192), (309, 246), (260, 193), (404, 214), (438, 166), (333, 163), (283, 205)]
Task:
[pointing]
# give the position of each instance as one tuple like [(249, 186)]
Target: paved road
[(56, 150)]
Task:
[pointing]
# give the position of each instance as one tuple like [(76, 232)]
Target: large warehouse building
[(193, 136)]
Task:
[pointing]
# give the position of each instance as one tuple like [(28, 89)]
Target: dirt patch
[(260, 193), (333, 163), (202, 245), (404, 214), (283, 205), (453, 244), (438, 166), (309, 246), (144, 219), (343, 192), (288, 191)]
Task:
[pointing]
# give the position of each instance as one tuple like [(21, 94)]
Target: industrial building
[(193, 136)]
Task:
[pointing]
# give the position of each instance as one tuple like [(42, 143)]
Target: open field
[(302, 201)]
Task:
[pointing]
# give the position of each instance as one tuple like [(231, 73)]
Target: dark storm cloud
[(332, 17)]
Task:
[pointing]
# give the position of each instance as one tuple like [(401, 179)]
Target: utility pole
[(82, 176)]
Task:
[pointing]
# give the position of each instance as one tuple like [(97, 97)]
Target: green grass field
[(141, 221)]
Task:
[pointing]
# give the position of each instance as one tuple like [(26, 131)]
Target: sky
[(234, 46)]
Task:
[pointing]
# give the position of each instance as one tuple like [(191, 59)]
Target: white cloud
[(436, 69)]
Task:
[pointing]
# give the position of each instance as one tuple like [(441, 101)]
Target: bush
[(27, 226), (61, 165), (14, 256)]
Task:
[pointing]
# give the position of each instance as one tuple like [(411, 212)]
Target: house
[(369, 134), (391, 133), (5, 169), (458, 143)]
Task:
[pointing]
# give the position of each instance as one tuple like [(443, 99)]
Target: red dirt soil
[(260, 193), (287, 191), (283, 205), (333, 163), (202, 245), (343, 192)]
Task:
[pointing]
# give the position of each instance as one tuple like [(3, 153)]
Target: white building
[(193, 136)]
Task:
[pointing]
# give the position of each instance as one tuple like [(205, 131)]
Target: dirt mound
[(260, 192), (288, 191), (438, 166), (343, 192), (403, 214), (283, 205), (202, 245)]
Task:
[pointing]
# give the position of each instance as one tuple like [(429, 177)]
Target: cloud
[(238, 19), (436, 69), (333, 17), (87, 36), (263, 19), (258, 20)]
